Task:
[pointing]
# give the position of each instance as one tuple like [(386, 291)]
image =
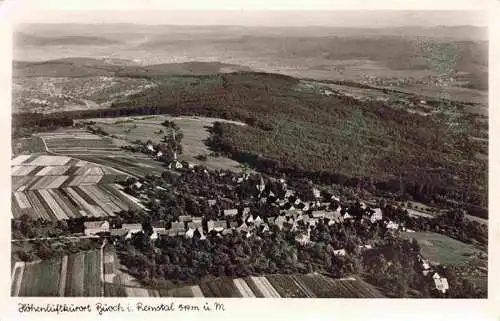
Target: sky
[(253, 13)]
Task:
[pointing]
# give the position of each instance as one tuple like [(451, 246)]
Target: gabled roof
[(177, 225), (231, 212), (194, 225), (318, 214), (96, 224), (218, 224), (185, 218), (132, 227), (118, 232), (340, 252)]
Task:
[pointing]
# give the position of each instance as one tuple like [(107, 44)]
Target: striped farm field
[(78, 142), (270, 286), (282, 286), (55, 188), (41, 279), (75, 275)]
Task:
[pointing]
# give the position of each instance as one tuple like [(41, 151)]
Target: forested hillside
[(328, 138)]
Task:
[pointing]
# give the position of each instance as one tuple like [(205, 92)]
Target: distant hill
[(24, 39), (87, 67), (465, 32)]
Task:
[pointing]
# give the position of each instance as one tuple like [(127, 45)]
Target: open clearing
[(194, 129), (443, 249)]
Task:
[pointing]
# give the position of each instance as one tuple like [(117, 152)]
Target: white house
[(159, 154), (316, 192), (150, 147), (377, 216), (347, 216), (175, 164), (303, 238), (440, 283), (243, 227), (335, 198), (190, 233), (92, 228), (289, 193), (340, 252), (392, 226), (231, 212), (318, 214), (134, 228), (257, 221)]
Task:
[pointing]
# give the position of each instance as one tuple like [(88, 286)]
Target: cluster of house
[(295, 215), (440, 283), (158, 154)]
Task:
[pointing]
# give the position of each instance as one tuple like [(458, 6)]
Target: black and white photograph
[(250, 154)]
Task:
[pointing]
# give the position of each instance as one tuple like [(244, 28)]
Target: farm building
[(243, 228), (217, 226), (194, 229), (440, 283), (185, 218), (376, 216), (347, 216), (340, 252), (156, 231), (211, 203), (332, 217), (392, 226), (116, 234), (246, 210), (318, 214), (132, 229), (177, 229), (303, 238), (93, 228), (316, 192), (279, 221), (231, 212)]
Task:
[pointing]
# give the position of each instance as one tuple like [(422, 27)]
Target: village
[(225, 216)]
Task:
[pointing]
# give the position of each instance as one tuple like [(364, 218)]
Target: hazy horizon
[(372, 19)]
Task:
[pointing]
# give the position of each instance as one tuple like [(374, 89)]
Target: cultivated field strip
[(76, 275), (97, 201), (79, 142), (17, 277), (59, 188), (22, 170), (271, 286), (19, 160)]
